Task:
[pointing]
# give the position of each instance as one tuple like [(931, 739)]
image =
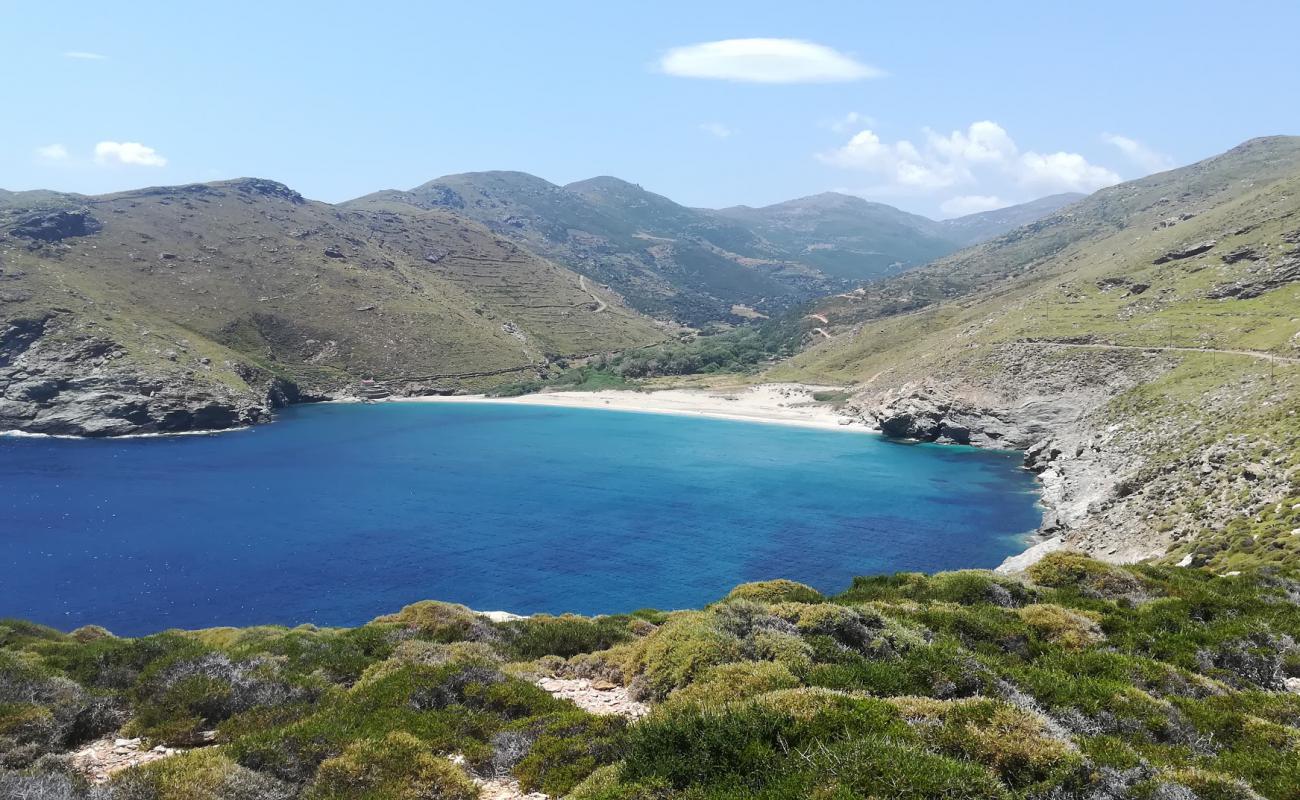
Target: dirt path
[(1149, 348), (822, 331), (596, 697), (601, 305), (820, 318)]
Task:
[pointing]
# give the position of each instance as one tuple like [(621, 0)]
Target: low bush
[(198, 775), (777, 591), (564, 636), (396, 767)]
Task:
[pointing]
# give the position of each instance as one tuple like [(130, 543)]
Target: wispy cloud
[(52, 154), (852, 121), (765, 61), (1138, 153), (128, 153), (717, 129), (84, 55)]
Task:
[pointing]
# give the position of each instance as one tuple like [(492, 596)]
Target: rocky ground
[(1112, 477), (55, 380), (596, 696), (103, 758)]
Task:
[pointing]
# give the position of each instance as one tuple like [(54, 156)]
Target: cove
[(335, 514)]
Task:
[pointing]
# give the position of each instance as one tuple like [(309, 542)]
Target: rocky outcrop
[(1186, 252), (60, 383), (56, 225), (1052, 410), (1258, 281)]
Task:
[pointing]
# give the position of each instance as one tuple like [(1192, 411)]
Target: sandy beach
[(779, 403)]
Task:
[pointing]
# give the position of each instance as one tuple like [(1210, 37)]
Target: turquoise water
[(337, 513)]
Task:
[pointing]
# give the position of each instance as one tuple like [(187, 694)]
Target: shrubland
[(1078, 679)]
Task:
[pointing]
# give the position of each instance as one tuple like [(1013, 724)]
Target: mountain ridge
[(693, 265)]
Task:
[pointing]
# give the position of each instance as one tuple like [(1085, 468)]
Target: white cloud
[(765, 61), (899, 164), (1138, 153), (852, 121), (1063, 172), (971, 204), (83, 55), (129, 153), (52, 154), (717, 129), (982, 142), (983, 156)]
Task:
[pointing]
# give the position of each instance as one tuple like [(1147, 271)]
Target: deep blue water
[(338, 513)]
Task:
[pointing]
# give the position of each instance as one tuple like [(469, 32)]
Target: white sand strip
[(781, 403)]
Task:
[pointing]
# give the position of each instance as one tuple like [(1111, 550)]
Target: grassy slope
[(1080, 680), (416, 293), (659, 256), (971, 313)]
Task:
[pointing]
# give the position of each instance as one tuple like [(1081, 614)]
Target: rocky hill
[(698, 266), (203, 306), (1142, 346)]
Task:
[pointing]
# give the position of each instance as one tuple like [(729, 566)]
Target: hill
[(1077, 680), (697, 266), (979, 227), (202, 306), (1141, 345), (662, 258), (846, 236)]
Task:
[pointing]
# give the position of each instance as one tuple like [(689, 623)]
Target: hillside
[(985, 225), (1141, 344), (203, 306), (1077, 680), (847, 237), (662, 258), (698, 266)]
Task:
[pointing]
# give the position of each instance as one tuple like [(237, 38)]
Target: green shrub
[(197, 775), (682, 648), (1072, 629), (1066, 570), (727, 683), (396, 767), (566, 748), (777, 591), (1013, 743), (563, 636), (439, 622)]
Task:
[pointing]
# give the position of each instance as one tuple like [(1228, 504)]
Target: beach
[(779, 403)]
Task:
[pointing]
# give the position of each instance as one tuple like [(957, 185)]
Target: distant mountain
[(694, 265), (663, 258), (201, 306), (845, 236), (975, 228)]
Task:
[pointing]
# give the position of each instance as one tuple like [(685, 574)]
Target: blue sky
[(937, 108)]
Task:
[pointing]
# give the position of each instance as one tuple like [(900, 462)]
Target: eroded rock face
[(84, 386), (56, 225)]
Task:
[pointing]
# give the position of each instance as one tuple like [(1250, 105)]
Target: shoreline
[(769, 403)]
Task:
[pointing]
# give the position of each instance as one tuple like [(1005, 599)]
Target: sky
[(937, 108)]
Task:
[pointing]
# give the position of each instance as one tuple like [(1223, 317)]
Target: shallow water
[(337, 513)]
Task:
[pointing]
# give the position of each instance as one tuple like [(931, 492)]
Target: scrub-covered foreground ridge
[(1078, 679)]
